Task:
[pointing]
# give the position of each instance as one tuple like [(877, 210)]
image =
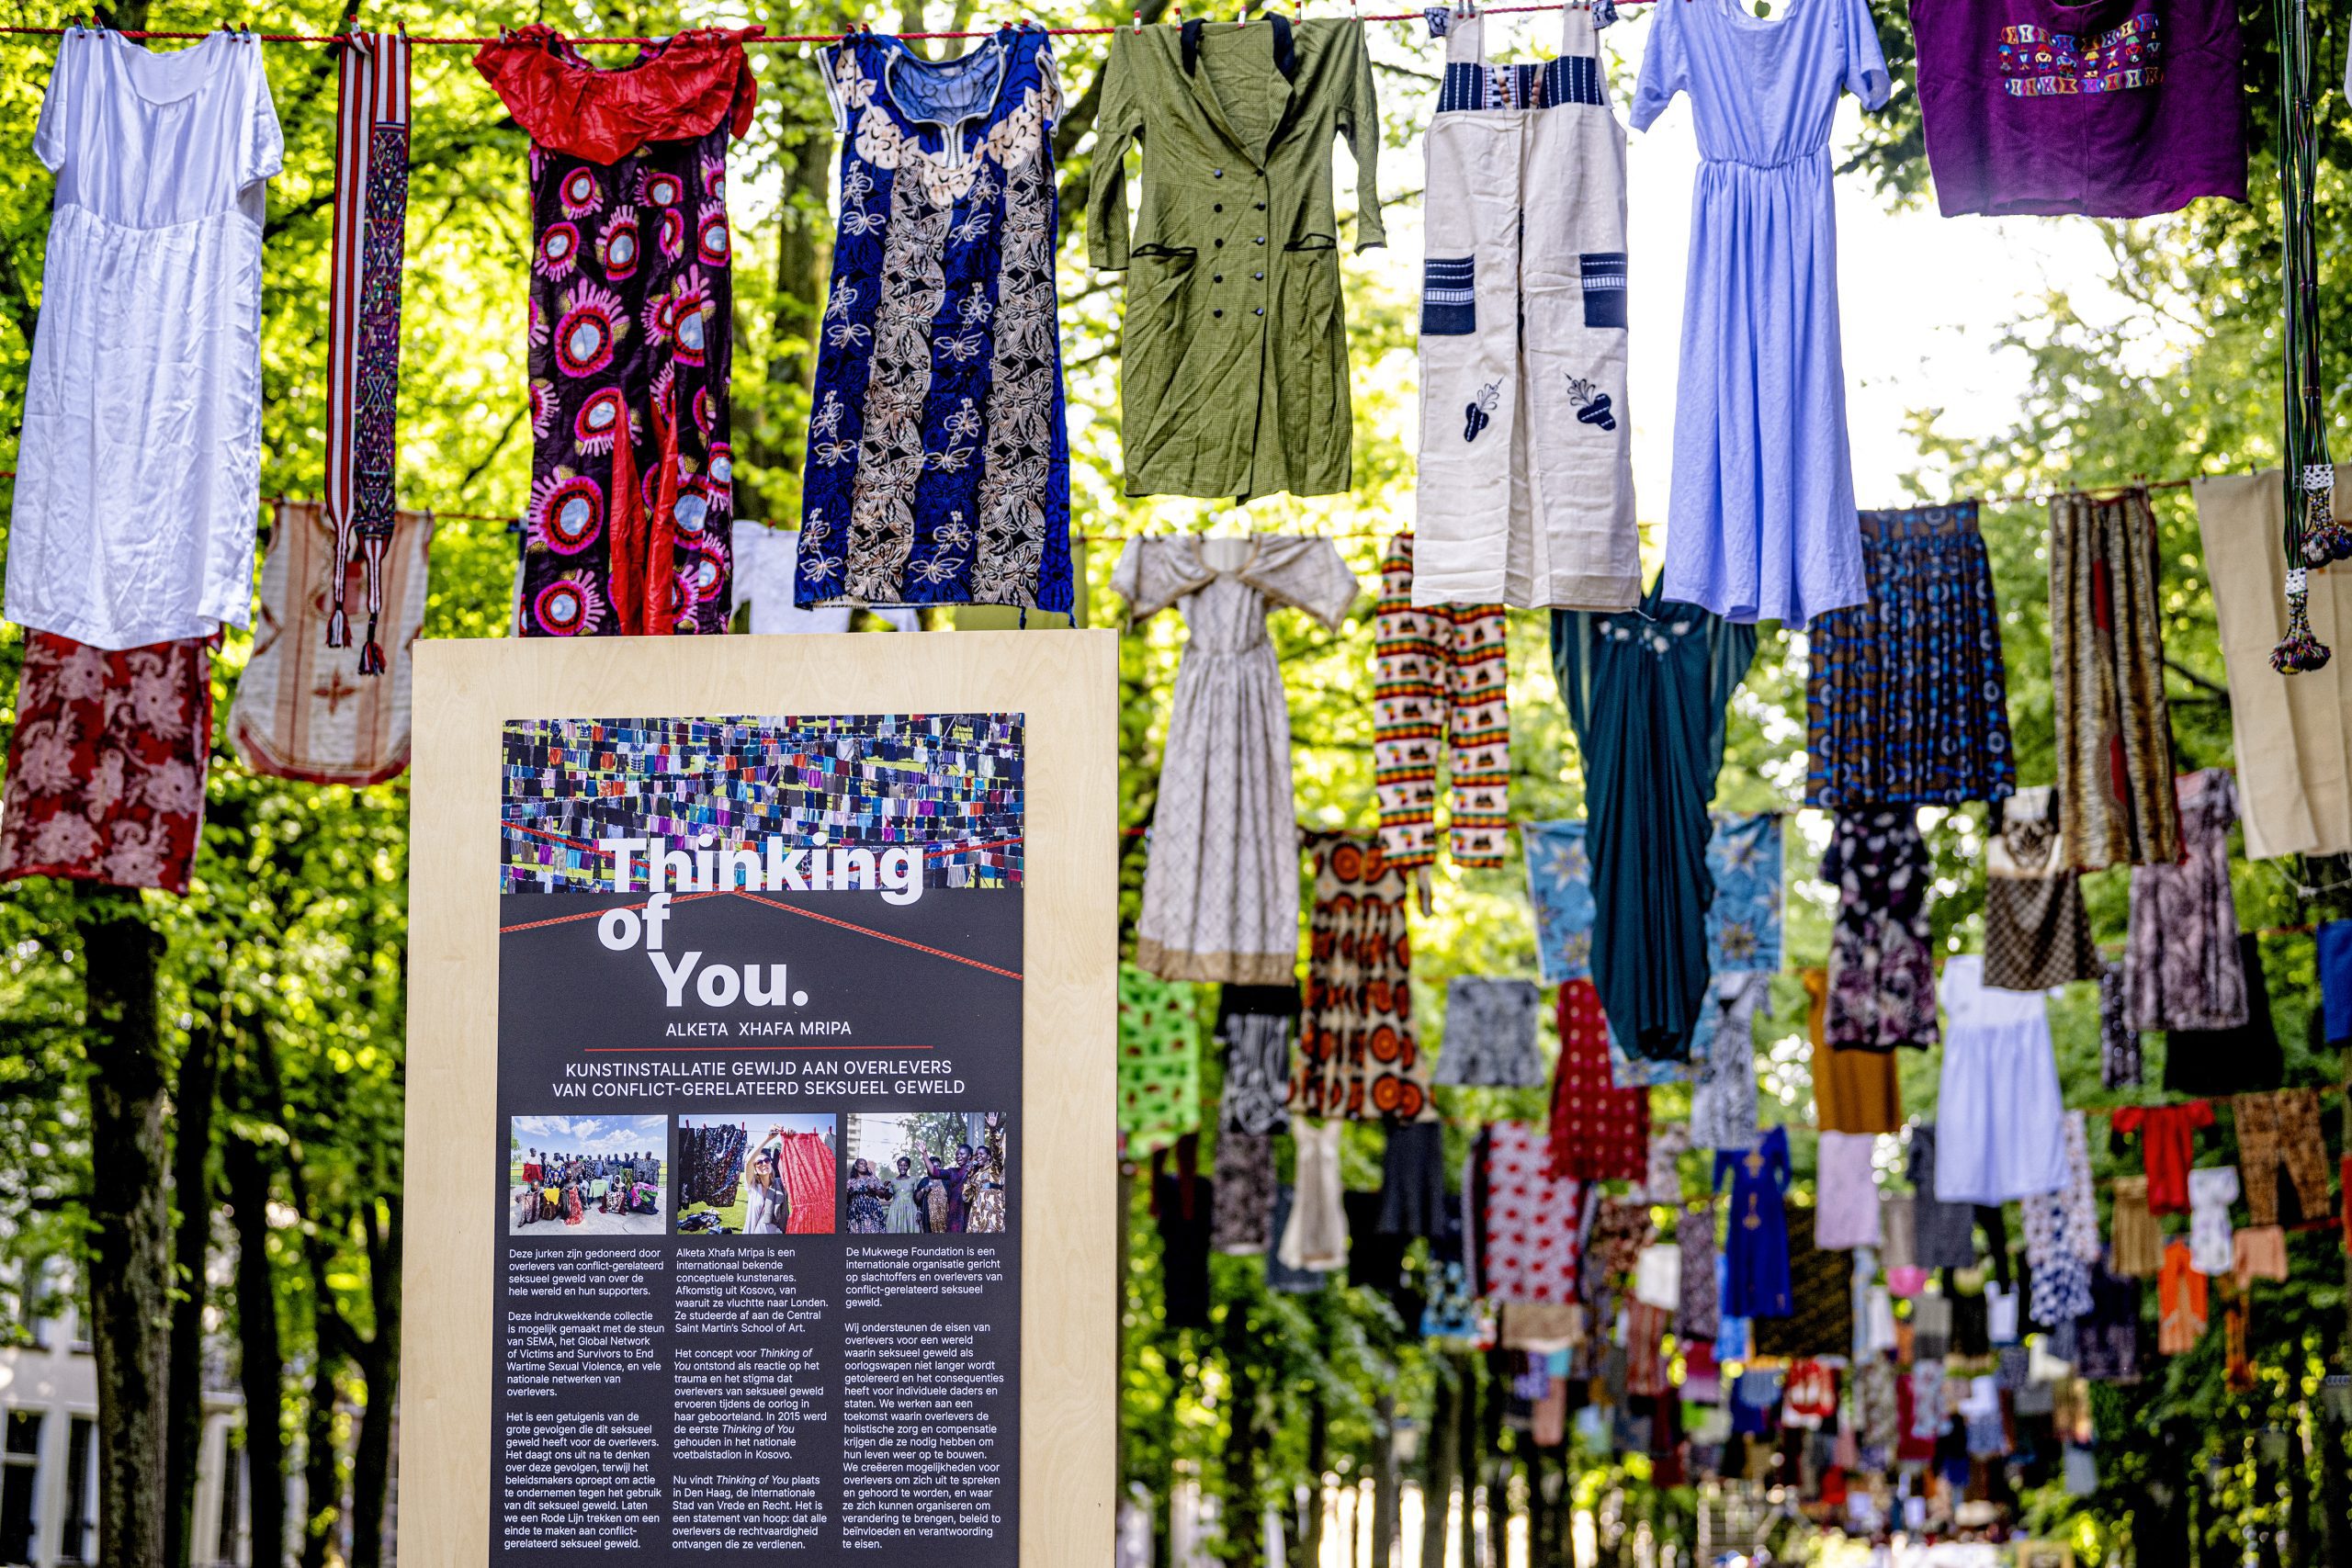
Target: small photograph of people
[(575, 1176), (926, 1172), (756, 1173)]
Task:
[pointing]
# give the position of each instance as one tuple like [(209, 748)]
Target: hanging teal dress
[(1646, 690)]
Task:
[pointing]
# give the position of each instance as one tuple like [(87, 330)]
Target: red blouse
[(681, 89)]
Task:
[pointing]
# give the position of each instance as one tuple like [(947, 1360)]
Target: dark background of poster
[(564, 999)]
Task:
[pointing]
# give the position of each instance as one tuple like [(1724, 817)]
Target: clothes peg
[(1139, 22)]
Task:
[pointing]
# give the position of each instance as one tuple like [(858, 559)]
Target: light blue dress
[(1761, 523)]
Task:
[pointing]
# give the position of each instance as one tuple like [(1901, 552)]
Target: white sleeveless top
[(139, 476)]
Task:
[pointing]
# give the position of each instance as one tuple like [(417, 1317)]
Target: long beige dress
[(1220, 893)]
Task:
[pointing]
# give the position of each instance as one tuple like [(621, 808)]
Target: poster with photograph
[(759, 1081)]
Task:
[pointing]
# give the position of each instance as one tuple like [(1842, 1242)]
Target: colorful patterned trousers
[(1440, 674)]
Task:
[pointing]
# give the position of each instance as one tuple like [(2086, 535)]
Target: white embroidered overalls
[(1526, 466)]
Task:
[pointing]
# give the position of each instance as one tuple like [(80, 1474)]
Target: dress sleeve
[(2126, 1121), (1150, 576), (829, 65), (1117, 123), (1665, 68), (1731, 648), (1360, 122), (1305, 574), (1866, 75), (1574, 633), (263, 153), (2198, 1113), (52, 136)]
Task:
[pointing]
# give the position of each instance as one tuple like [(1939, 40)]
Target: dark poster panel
[(759, 1190)]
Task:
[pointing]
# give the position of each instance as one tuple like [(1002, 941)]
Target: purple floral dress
[(1881, 973), (2180, 965)]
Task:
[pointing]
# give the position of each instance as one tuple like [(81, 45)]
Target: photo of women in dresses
[(926, 1172), (756, 1173), (574, 1175)]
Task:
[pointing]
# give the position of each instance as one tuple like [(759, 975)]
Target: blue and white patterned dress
[(938, 464)]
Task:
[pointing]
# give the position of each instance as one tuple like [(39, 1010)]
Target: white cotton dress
[(1220, 893), (139, 474), (766, 561), (2000, 1125)]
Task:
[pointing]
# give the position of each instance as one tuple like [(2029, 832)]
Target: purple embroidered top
[(2118, 108)]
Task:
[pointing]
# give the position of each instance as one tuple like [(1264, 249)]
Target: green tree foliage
[(288, 958)]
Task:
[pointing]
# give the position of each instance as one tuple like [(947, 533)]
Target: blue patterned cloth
[(1559, 883), (1743, 928), (938, 466), (2335, 978), (1744, 925), (1906, 697)]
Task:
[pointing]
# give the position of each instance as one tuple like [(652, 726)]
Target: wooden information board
[(762, 1005)]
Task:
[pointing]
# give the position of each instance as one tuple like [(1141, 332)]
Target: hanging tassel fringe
[(2300, 652)]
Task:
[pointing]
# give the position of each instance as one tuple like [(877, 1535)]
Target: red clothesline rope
[(773, 39)]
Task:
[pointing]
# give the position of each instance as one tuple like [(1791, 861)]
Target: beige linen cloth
[(2294, 732)]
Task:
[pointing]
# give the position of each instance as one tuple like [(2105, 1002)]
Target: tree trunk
[(1539, 1517), (1319, 1454), (192, 1102), (1384, 1483), (261, 1361), (1244, 1526), (1469, 1458), (2266, 1498), (1437, 1470), (1498, 1468), (130, 1259), (2335, 1490), (380, 1362), (803, 259), (322, 1486), (1124, 1250), (2299, 1544)]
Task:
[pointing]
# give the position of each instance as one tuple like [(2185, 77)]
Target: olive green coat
[(1235, 362)]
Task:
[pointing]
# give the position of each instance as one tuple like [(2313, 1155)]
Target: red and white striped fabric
[(363, 318)]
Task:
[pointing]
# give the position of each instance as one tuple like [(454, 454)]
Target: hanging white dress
[(1316, 1235), (139, 473), (1220, 893), (2000, 1127)]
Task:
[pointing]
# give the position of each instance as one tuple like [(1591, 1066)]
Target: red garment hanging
[(1600, 1132), (698, 79), (807, 1164)]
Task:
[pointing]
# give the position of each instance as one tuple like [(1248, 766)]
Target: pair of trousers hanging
[(1441, 672)]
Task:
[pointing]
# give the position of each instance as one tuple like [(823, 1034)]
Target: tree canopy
[(281, 973)]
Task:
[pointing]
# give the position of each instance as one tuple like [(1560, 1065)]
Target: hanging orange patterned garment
[(2180, 1302), (1358, 1057)]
